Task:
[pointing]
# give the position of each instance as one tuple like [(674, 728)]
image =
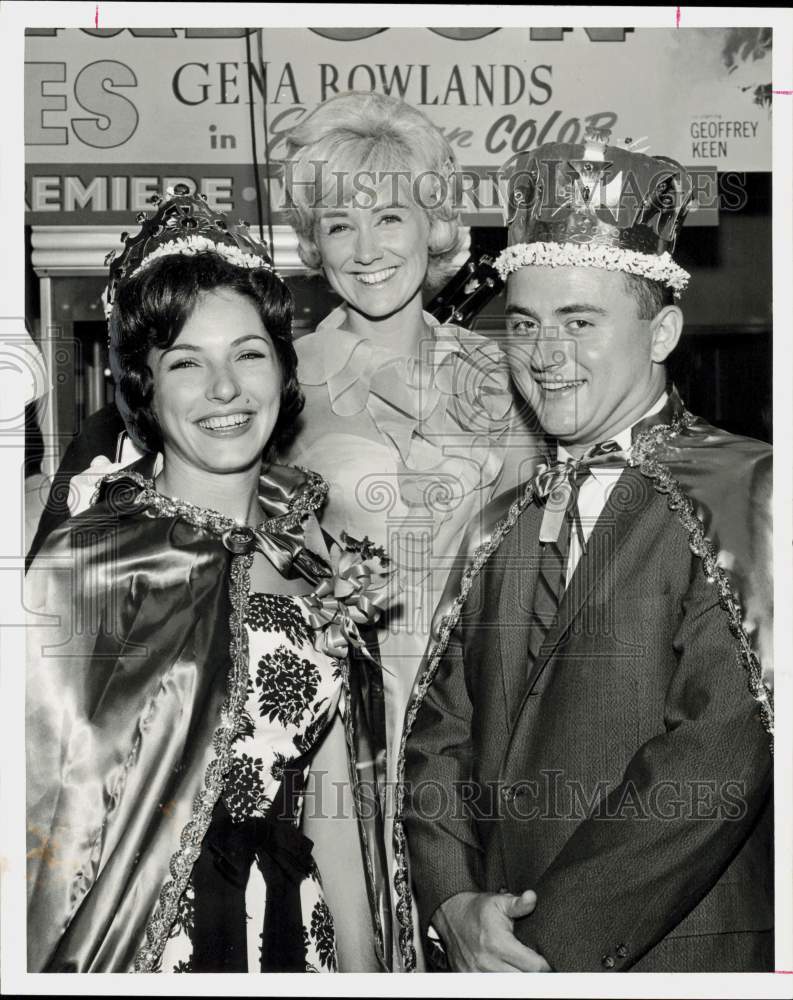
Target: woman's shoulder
[(111, 552), (290, 492), (114, 514), (326, 351)]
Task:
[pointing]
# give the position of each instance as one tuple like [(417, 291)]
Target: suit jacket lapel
[(519, 572), (617, 522)]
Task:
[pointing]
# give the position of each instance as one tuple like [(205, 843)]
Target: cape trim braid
[(643, 457), (159, 924), (380, 939), (307, 499), (659, 267), (447, 625)]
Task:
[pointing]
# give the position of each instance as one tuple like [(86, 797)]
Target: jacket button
[(508, 793), (607, 962), (622, 951)]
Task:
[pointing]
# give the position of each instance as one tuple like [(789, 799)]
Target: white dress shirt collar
[(623, 437)]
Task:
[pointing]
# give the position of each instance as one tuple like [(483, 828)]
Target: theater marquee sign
[(111, 116)]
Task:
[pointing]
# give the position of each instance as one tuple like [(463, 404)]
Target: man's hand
[(477, 930)]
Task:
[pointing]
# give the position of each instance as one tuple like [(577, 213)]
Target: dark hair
[(650, 296), (152, 308)]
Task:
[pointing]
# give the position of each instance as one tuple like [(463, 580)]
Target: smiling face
[(375, 249), (217, 389), (579, 353)]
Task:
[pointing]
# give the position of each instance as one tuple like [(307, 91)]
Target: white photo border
[(14, 18)]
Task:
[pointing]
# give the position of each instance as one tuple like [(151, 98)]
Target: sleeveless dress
[(293, 693), (167, 739)]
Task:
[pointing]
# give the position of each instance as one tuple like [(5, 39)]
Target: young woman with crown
[(193, 634)]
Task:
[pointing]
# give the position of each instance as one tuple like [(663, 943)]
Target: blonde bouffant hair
[(358, 133)]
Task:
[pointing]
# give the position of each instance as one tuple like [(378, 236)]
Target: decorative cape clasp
[(287, 495)]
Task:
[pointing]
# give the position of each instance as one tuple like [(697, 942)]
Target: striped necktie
[(556, 487)]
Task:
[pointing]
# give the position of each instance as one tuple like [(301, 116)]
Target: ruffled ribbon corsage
[(355, 595)]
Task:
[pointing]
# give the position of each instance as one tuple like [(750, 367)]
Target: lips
[(227, 421), (375, 277), (559, 386)]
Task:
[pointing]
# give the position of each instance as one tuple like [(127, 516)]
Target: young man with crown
[(586, 760)]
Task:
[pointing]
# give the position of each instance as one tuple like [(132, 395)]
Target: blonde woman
[(412, 424)]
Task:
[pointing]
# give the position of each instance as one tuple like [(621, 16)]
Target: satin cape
[(719, 489), (727, 481), (136, 618)]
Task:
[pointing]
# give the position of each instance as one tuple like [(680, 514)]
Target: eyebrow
[(513, 309), (344, 213), (198, 349), (580, 307)]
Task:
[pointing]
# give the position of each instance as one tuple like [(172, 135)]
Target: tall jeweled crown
[(182, 224), (594, 205)]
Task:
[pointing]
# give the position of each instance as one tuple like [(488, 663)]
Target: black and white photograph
[(392, 534)]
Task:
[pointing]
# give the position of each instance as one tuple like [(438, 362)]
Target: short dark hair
[(650, 296), (152, 308)]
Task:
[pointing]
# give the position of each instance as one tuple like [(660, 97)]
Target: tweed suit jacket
[(625, 777)]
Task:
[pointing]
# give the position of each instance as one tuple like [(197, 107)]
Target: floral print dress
[(293, 693)]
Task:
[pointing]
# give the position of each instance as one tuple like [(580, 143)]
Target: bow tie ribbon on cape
[(350, 592), (557, 485), (355, 595)]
